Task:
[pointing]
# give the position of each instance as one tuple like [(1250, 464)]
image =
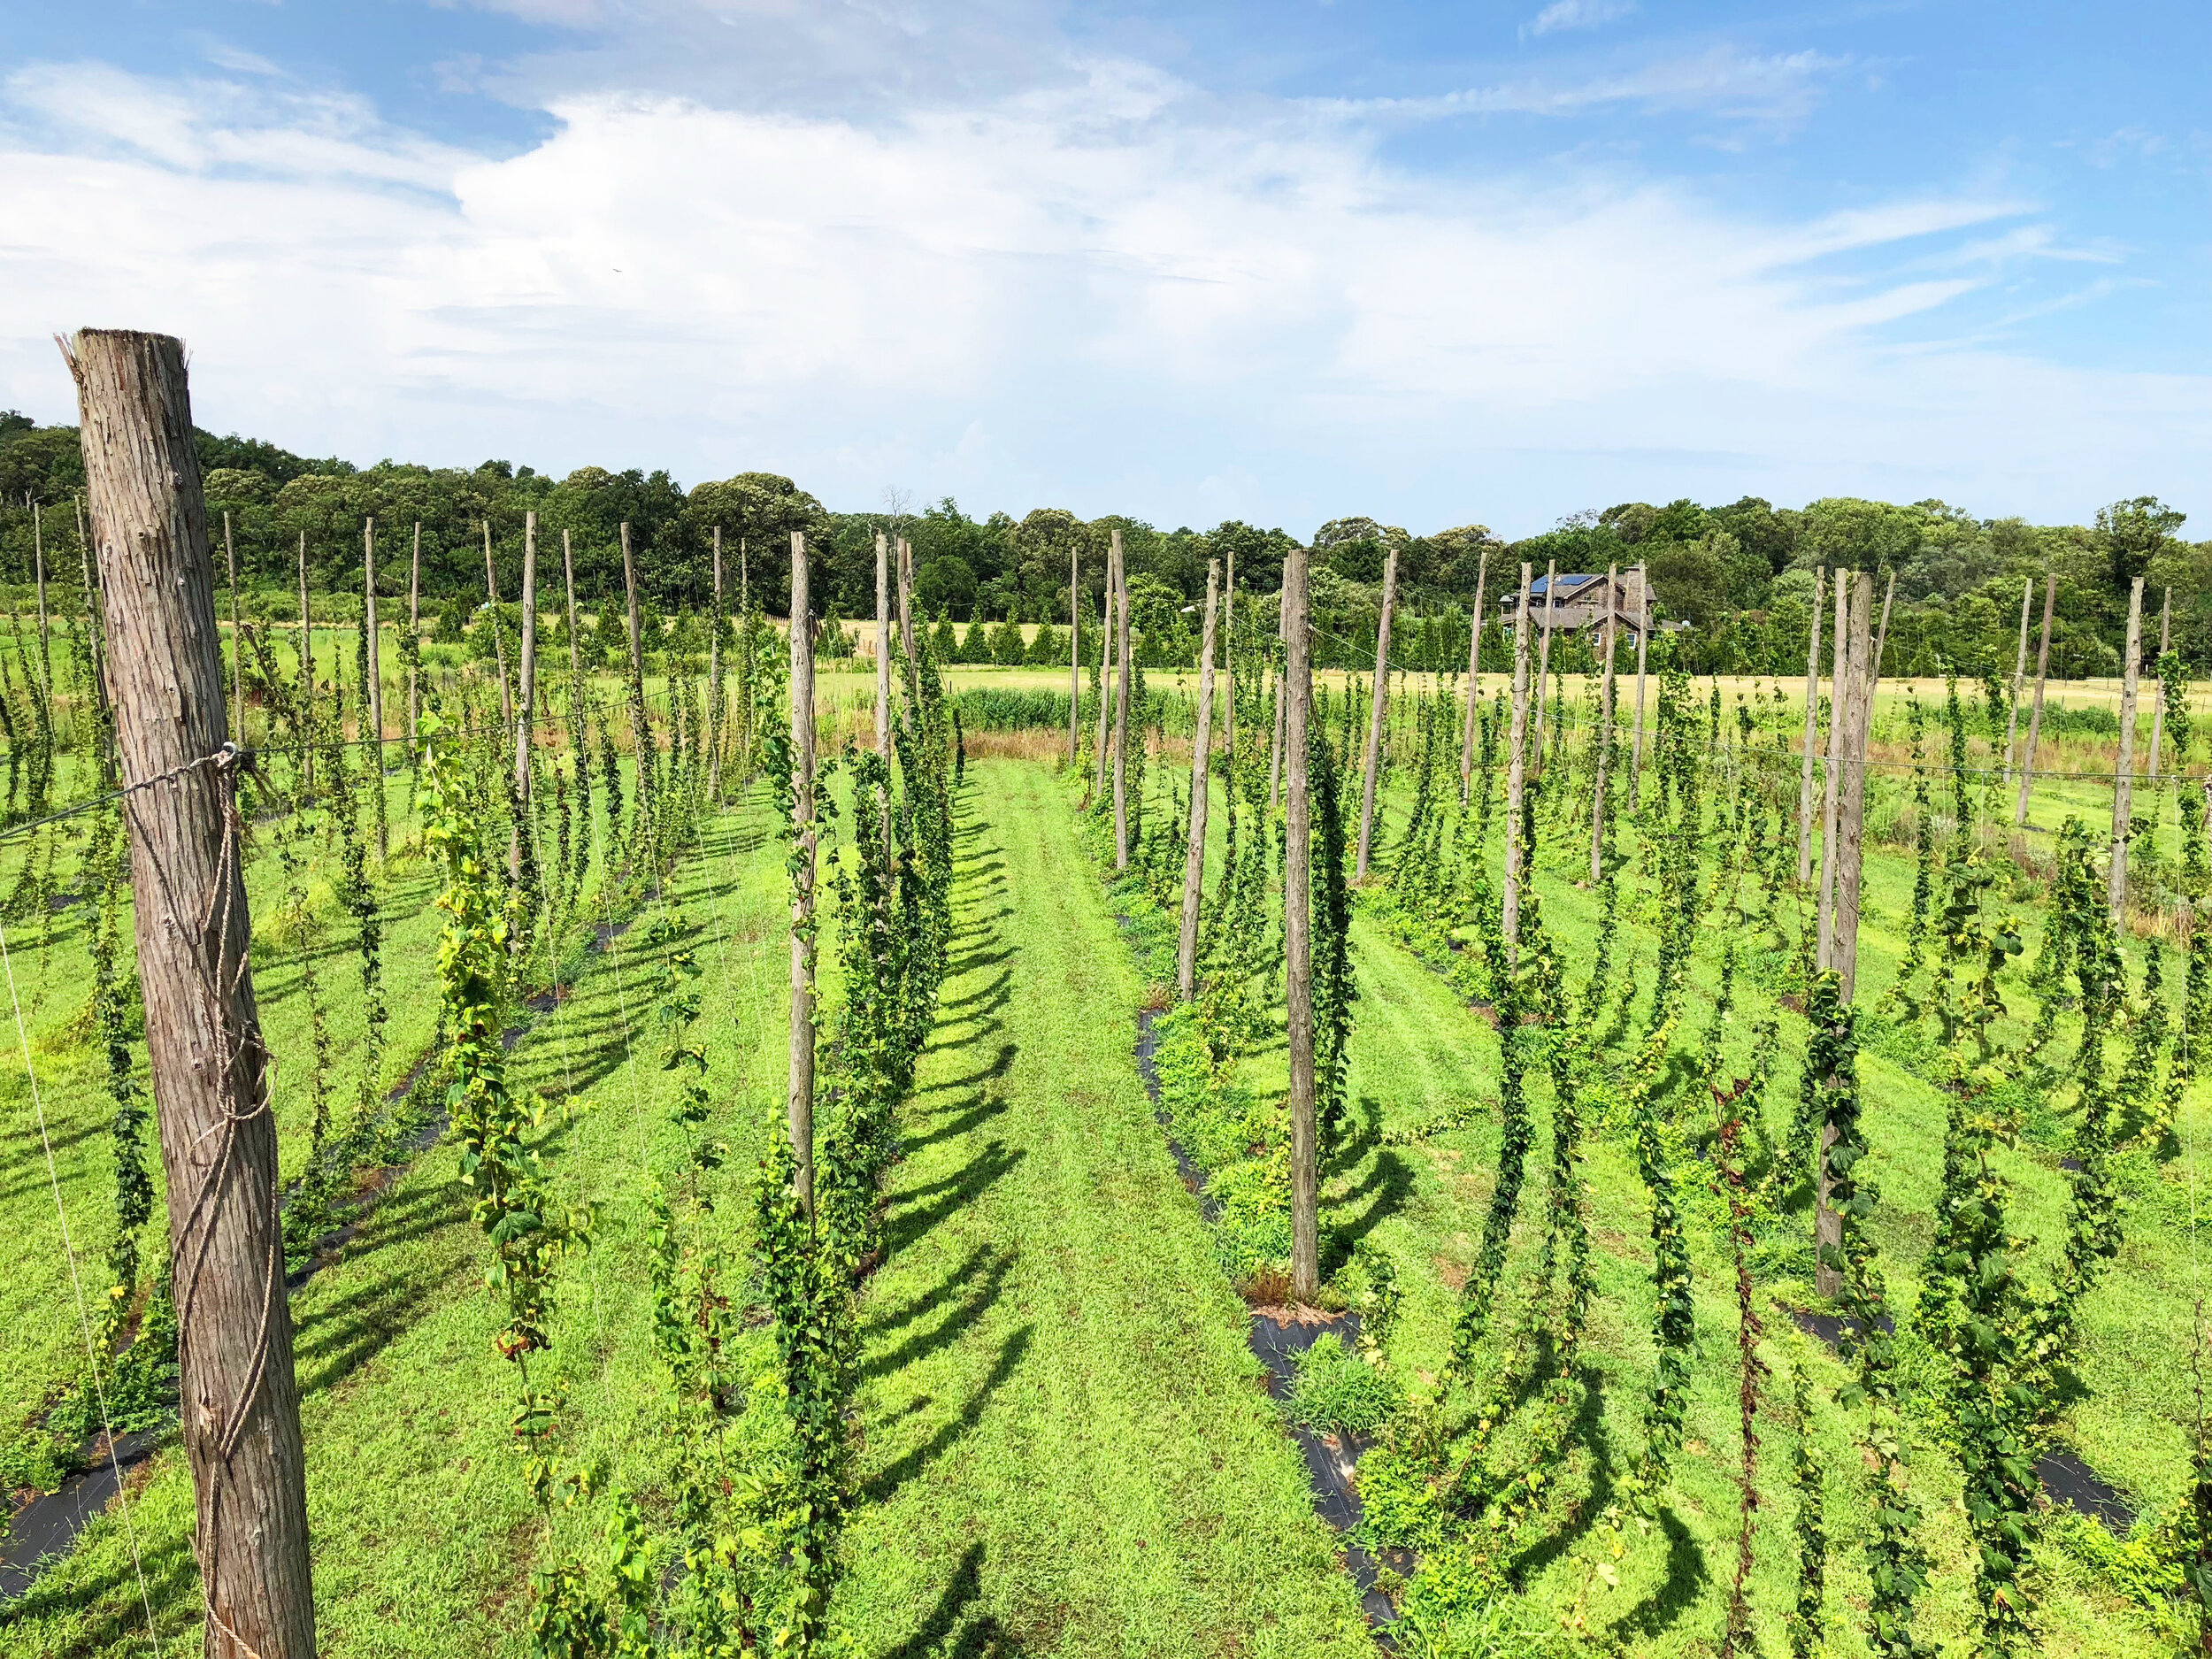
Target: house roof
[(1542, 584)]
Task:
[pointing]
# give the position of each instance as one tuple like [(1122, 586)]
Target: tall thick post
[(1201, 758), (307, 677), (529, 682), (237, 641), (499, 634), (1474, 682), (1517, 771), (2123, 769), (1375, 713), (2019, 676), (239, 1404), (799, 1103), (1121, 716), (1851, 711), (1812, 736), (883, 645), (1305, 1163), (2035, 713), (1543, 656), (1604, 738), (1643, 650), (1846, 581), (1075, 650)]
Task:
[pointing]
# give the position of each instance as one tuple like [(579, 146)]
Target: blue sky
[(1278, 261)]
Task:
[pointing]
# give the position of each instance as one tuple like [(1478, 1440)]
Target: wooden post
[(527, 699), (1474, 682), (2124, 770), (1516, 772), (2019, 676), (638, 718), (1305, 1170), (1375, 713), (1195, 854), (373, 762), (1643, 649), (1075, 649), (1605, 728), (883, 646), (799, 1119), (499, 640), (1229, 658), (1121, 717), (714, 682), (414, 634), (2035, 713), (307, 676), (240, 1416), (237, 641), (1851, 707), (1812, 735), (1105, 684), (1846, 582), (1543, 656), (2158, 703)]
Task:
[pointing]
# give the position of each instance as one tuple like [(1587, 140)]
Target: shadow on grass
[(978, 1110), (950, 1632), (999, 1065), (1687, 1574), (962, 1318), (1011, 1354), (955, 1193)]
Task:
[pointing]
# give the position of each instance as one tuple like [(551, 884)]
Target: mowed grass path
[(1067, 1447)]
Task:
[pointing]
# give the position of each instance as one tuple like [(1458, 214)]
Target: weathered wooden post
[(2035, 713), (1194, 855), (716, 712), (414, 634), (1474, 682), (1105, 682), (237, 641), (376, 645), (1375, 712), (1075, 649), (799, 1119), (2123, 768), (499, 636), (1812, 736), (239, 1401), (883, 646), (307, 678), (1851, 710), (1643, 648), (1515, 772), (1543, 656), (1305, 1168), (529, 686), (1845, 584), (1605, 729), (1121, 716)]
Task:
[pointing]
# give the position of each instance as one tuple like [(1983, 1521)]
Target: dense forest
[(1738, 576)]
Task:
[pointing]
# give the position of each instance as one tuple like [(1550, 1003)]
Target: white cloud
[(1723, 80), (1111, 298), (1577, 14)]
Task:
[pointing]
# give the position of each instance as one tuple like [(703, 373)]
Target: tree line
[(1735, 582)]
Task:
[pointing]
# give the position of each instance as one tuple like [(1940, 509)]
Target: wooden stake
[(1075, 649), (1516, 773), (1121, 716), (1105, 688), (799, 1119), (1852, 704), (414, 633), (1812, 735), (2124, 770), (1845, 584), (1543, 656), (1305, 1172), (374, 752), (2158, 703), (1195, 854), (715, 710), (2035, 713), (1474, 682), (1375, 713), (237, 641), (307, 676), (1605, 728), (1229, 658), (529, 687), (2019, 676), (499, 639), (1643, 647), (883, 646), (241, 1418)]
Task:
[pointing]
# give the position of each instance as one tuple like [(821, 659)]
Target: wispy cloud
[(1721, 80), (1577, 14)]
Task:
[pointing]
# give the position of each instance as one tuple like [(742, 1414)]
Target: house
[(1580, 601)]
